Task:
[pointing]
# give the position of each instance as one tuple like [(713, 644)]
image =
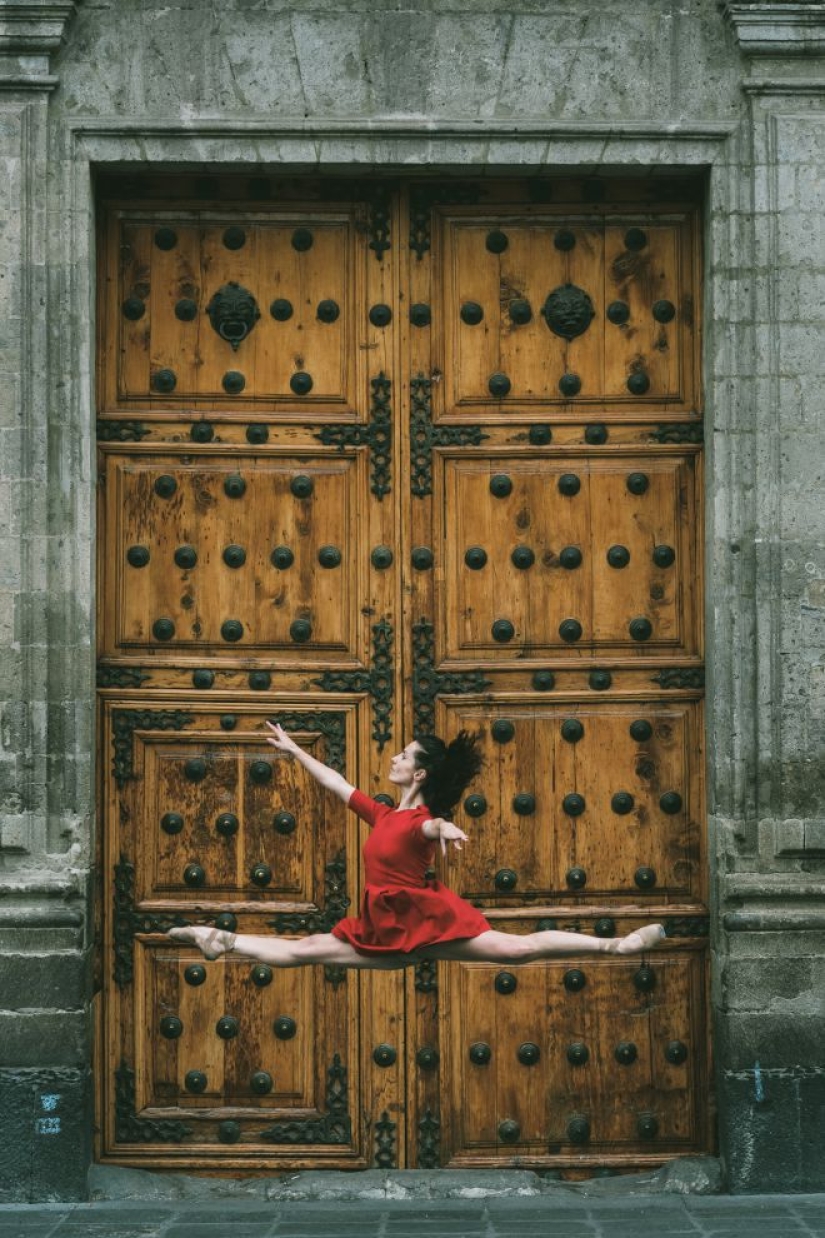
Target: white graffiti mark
[(50, 1101), (47, 1126)]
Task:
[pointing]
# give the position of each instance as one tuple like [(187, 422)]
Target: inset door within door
[(379, 459)]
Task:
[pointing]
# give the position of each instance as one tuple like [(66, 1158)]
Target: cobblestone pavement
[(764, 1216)]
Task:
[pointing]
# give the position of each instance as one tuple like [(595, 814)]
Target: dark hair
[(450, 768)]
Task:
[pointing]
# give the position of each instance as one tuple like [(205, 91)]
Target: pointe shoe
[(641, 939), (212, 942)]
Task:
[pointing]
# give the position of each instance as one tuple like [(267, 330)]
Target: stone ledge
[(35, 26), (778, 27)]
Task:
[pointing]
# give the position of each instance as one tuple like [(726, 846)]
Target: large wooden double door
[(379, 460)]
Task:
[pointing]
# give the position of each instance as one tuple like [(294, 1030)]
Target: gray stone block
[(46, 1135), (44, 1038)]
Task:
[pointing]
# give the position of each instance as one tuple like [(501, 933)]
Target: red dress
[(401, 910)]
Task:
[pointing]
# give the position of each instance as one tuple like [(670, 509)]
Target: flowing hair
[(450, 768)]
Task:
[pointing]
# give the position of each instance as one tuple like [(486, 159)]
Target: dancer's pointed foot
[(212, 942), (639, 940)]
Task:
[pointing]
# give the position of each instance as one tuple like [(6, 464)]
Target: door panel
[(379, 460)]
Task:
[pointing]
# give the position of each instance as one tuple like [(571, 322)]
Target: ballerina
[(406, 917)]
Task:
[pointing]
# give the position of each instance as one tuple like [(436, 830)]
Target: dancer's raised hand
[(279, 738)]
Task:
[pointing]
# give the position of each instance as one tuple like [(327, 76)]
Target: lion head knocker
[(233, 312), (568, 311)]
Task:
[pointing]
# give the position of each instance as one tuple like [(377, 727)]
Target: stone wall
[(735, 91)]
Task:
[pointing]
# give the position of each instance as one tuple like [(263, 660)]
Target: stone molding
[(777, 27), (35, 26)]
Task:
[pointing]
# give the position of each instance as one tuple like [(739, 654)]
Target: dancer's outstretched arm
[(328, 778)]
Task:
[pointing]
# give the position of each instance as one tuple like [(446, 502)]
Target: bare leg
[(286, 951), (495, 947)]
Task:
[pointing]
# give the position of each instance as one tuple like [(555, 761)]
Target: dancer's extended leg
[(495, 947), (286, 951)]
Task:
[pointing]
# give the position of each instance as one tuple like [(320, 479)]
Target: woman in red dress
[(404, 916)]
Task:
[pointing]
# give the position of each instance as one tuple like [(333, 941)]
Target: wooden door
[(379, 460)]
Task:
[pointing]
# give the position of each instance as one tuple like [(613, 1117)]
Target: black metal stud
[(163, 629), (647, 1127), (260, 874), (472, 313), (233, 382), (664, 311), (164, 381), (301, 383), (671, 803), (300, 631), (676, 1052), (137, 556), (284, 823), (502, 730), (234, 486), (261, 975), (284, 1027), (234, 237), (505, 880), (572, 730), (422, 558), (384, 1055), (576, 878), (528, 1052), (569, 484), (499, 385), (302, 486), (195, 1081), (228, 722), (645, 878), (570, 558), (626, 1053), (165, 486), (202, 432), (329, 556), (596, 435), (605, 926), (505, 983), (524, 804), (475, 557), (496, 241), (186, 557), (540, 436), (501, 485), (574, 980), (420, 315), (600, 681), (635, 238), (171, 1027), (166, 238), (133, 308), (570, 630), (577, 1053), (480, 1053), (232, 630), (328, 311), (641, 730), (226, 921), (226, 824), (570, 385), (509, 1131), (282, 557), (380, 315), (618, 556), (281, 309), (302, 240), (520, 311), (573, 804), (638, 483), (171, 823), (234, 556), (229, 1131), (578, 1130), (257, 433), (195, 974), (475, 805), (564, 240), (381, 558), (638, 383), (260, 772), (622, 803), (427, 1058), (618, 313), (194, 875), (259, 681), (523, 557), (663, 556), (640, 628), (503, 631), (261, 1083), (186, 310)]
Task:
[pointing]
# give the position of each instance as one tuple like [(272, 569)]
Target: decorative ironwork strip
[(687, 926), (424, 436), (330, 725), (128, 921), (377, 195), (121, 676), (126, 721), (376, 435), (680, 677), (320, 919), (428, 683), (385, 1149), (680, 432), (422, 200), (377, 682), (335, 1126), (429, 1139), (129, 1128), (121, 431), (426, 976)]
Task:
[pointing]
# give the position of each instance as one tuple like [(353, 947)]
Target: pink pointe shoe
[(640, 939), (212, 942)]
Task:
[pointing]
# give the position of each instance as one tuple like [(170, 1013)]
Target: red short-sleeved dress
[(401, 910)]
